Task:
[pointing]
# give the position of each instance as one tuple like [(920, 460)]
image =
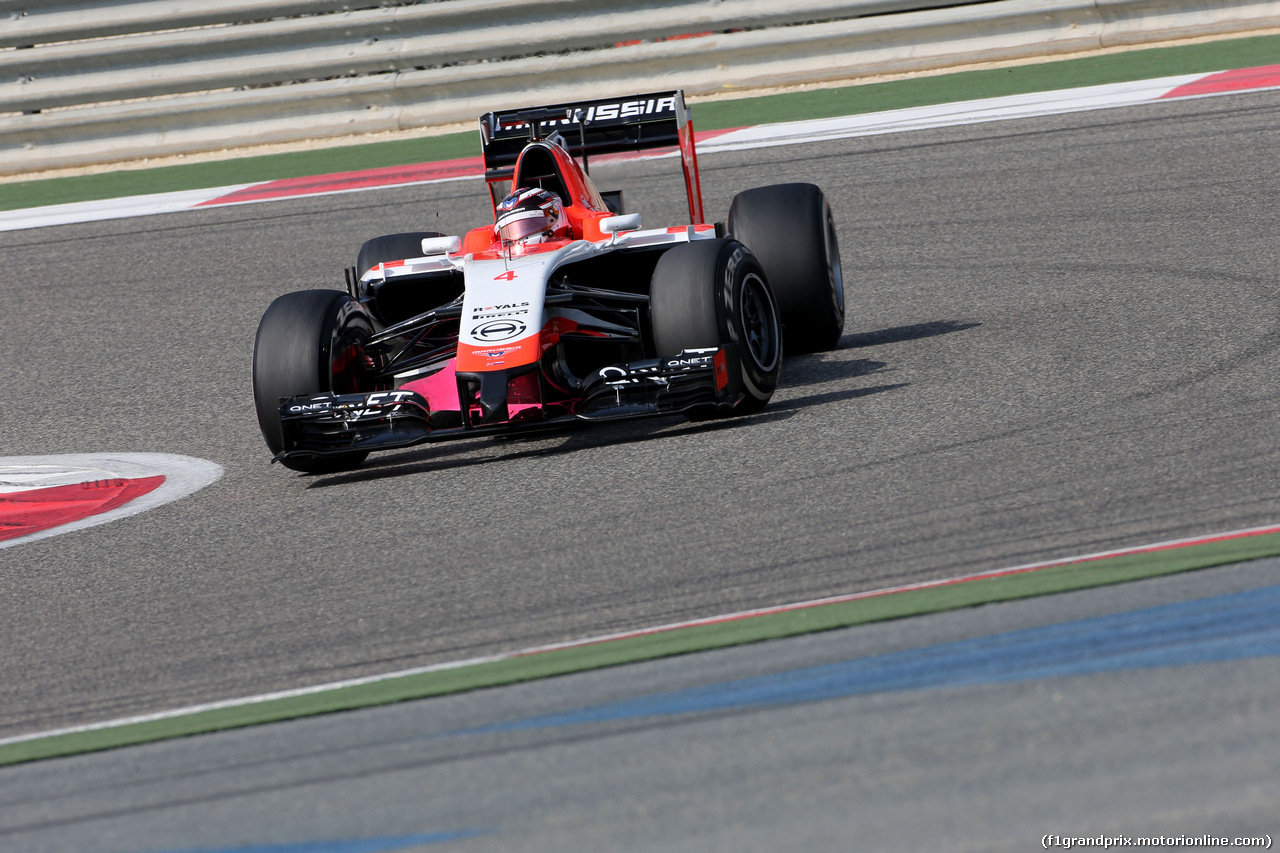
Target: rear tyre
[(713, 292), (391, 247), (790, 229), (309, 342)]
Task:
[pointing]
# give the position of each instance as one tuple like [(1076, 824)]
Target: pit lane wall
[(88, 82)]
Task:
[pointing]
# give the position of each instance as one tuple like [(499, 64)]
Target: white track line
[(110, 208), (624, 635), (949, 115)]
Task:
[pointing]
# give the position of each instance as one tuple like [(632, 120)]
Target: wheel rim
[(759, 323), (349, 364)]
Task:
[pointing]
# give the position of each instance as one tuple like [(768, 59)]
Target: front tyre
[(391, 247), (309, 342), (790, 229), (709, 293)]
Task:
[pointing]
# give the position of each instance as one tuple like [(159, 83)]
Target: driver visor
[(529, 224)]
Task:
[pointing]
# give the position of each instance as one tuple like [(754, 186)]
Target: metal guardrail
[(85, 84), (368, 41), (32, 22)]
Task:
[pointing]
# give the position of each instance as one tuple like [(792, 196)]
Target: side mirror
[(614, 224), (441, 245)]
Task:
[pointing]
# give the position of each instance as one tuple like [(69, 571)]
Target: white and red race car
[(563, 309)]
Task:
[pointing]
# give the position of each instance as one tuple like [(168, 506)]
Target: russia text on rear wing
[(587, 128)]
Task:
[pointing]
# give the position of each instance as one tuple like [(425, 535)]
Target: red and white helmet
[(530, 216)]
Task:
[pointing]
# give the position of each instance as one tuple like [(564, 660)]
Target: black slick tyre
[(309, 342), (790, 229), (709, 293), (391, 247)]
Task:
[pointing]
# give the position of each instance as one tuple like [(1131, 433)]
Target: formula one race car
[(563, 309)]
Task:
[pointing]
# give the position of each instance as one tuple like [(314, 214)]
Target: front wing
[(324, 424)]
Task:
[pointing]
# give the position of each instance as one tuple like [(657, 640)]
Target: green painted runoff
[(826, 617)]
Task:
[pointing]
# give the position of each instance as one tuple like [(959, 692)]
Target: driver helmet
[(530, 216)]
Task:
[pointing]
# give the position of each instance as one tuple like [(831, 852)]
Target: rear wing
[(587, 128)]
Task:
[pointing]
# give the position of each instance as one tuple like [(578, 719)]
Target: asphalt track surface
[(1062, 338)]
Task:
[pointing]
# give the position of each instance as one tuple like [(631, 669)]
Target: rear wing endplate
[(603, 126)]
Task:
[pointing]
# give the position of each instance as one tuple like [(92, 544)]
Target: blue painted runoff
[(1223, 628)]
